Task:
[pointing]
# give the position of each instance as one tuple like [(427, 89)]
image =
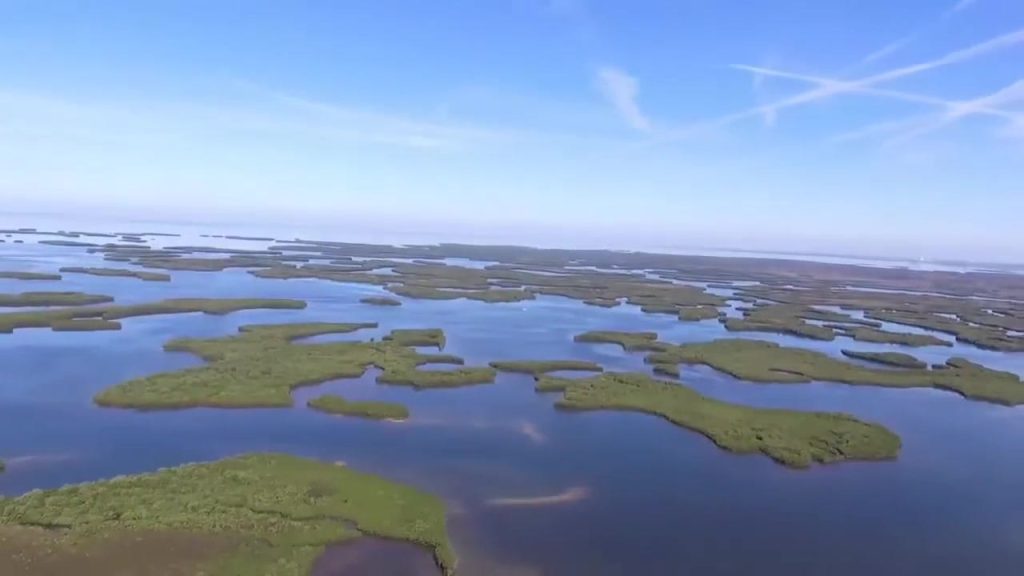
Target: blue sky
[(853, 126)]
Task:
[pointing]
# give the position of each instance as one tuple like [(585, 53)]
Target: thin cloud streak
[(1011, 94), (954, 110), (36, 116), (839, 87), (621, 90), (897, 45), (986, 107), (961, 6), (889, 49), (881, 128)]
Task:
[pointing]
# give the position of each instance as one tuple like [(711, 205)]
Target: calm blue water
[(660, 500)]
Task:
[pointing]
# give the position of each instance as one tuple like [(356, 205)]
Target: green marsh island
[(381, 301), (717, 384), (789, 437), (334, 404), (261, 365), (267, 514), (17, 275), (118, 273), (760, 361), (28, 299), (85, 318), (538, 367)]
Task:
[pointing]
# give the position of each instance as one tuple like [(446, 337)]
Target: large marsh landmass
[(793, 438), (709, 325), (268, 514)]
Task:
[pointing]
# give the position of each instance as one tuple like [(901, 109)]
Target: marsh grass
[(118, 273), (18, 275), (632, 341), (792, 438), (417, 337), (334, 404), (280, 510), (493, 295), (880, 336), (26, 299), (261, 365), (897, 359), (698, 313), (760, 361), (84, 325), (381, 301), (538, 367), (64, 316)]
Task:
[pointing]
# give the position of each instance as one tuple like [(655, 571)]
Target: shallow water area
[(645, 497)]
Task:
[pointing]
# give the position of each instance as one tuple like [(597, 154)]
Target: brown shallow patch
[(33, 460), (376, 557), (38, 552), (567, 496)]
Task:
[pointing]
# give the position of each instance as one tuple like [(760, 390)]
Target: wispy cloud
[(263, 113), (384, 128), (829, 88), (757, 83), (985, 107), (887, 127), (889, 49), (960, 6), (1012, 94), (621, 90), (901, 43), (952, 110)]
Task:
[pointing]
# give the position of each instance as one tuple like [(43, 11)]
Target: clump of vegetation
[(52, 299), (141, 234), (792, 438), (697, 313), (791, 327), (84, 325), (538, 367), (404, 373), (792, 320), (417, 337), (214, 306), (381, 301), (490, 295), (249, 238), (334, 404), (879, 336), (897, 359), (917, 299), (69, 243), (268, 514), (632, 341), (602, 302), (261, 365), (987, 337), (18, 275), (217, 306), (671, 370), (760, 361), (118, 272)]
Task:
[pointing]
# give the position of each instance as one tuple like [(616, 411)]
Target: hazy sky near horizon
[(831, 125)]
